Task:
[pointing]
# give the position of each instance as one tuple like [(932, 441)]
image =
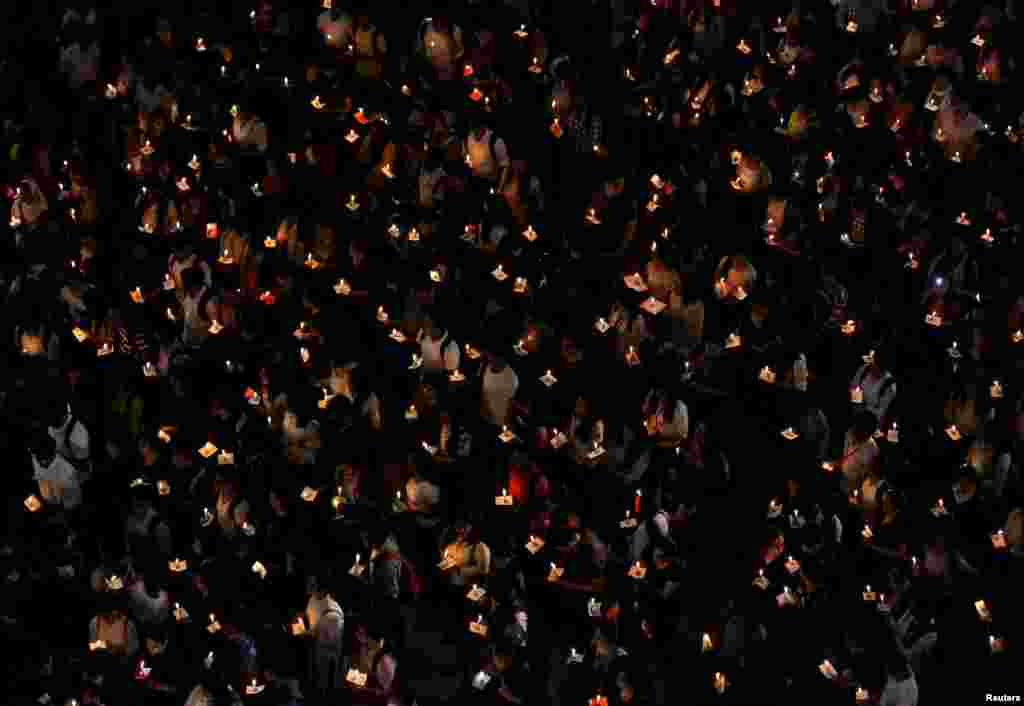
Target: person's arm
[(78, 442), (373, 411), (204, 267), (162, 534), (481, 565), (886, 400), (452, 356), (131, 639), (678, 429), (504, 162), (242, 511), (384, 675)]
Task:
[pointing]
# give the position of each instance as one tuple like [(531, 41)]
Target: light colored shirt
[(319, 604), (76, 446), (499, 389), (900, 693), (58, 482), (440, 354)]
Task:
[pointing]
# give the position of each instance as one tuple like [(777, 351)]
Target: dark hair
[(192, 278), (42, 445), (863, 425)]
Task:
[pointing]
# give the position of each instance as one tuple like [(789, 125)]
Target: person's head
[(615, 184), (478, 124), (156, 641), (44, 449), (465, 532), (141, 500), (736, 271), (863, 426), (183, 249), (227, 487), (59, 414), (601, 645), (661, 523), (26, 191), (87, 248), (571, 352), (966, 484), (193, 280)]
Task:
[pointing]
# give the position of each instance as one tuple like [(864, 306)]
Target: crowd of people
[(657, 352)]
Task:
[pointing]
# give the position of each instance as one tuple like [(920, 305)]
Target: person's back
[(58, 480), (500, 384), (327, 626)]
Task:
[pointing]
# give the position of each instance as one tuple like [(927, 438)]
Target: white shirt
[(433, 357), (317, 606), (77, 446), (900, 693), (498, 391), (58, 482)]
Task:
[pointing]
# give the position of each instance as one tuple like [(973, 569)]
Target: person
[(472, 556), (58, 481), (877, 385), (70, 436), (499, 387), (114, 632), (860, 452), (374, 660)]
